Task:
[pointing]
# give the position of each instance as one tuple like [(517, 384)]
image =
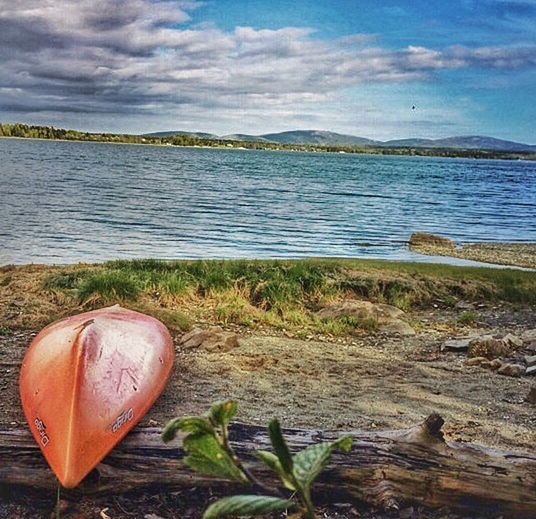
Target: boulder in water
[(425, 239)]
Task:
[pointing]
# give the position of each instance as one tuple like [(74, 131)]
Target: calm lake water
[(64, 202)]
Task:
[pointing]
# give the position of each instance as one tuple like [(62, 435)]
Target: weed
[(468, 317), (5, 330), (209, 452), (345, 325), (234, 308)]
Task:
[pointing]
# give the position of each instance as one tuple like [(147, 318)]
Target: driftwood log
[(383, 469)]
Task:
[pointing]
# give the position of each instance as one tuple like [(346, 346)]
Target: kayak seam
[(77, 350)]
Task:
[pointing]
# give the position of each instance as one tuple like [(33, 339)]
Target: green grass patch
[(277, 284), (468, 317), (110, 286), (345, 325), (286, 294), (5, 330), (65, 280)]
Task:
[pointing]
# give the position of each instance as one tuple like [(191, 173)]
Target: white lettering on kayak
[(123, 418), (41, 429)]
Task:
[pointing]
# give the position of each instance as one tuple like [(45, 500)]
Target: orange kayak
[(87, 380)]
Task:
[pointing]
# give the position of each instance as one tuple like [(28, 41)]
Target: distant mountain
[(325, 138), (410, 143), (470, 142), (244, 137), (473, 142), (317, 137), (172, 133)]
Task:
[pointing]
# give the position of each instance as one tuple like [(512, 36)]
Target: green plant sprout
[(209, 452)]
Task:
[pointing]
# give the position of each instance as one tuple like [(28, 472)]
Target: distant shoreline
[(365, 151), (17, 131)]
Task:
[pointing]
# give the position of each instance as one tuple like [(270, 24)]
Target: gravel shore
[(514, 254)]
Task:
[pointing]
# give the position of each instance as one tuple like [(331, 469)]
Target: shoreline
[(508, 254), (486, 255), (450, 153), (437, 257)]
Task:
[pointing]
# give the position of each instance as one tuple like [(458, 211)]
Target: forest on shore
[(19, 130)]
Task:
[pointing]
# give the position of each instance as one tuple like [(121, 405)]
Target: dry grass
[(280, 294)]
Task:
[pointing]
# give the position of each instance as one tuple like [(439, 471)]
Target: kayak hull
[(85, 381)]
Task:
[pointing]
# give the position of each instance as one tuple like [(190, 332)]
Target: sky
[(227, 66)]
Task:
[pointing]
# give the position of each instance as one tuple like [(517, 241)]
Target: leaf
[(273, 462), (246, 505), (190, 424), (309, 462), (280, 446), (206, 455), (221, 413)]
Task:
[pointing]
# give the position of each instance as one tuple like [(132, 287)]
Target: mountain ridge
[(327, 138)]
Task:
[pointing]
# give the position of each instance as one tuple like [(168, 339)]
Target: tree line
[(49, 132)]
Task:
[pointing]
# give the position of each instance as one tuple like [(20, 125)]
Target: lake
[(66, 202)]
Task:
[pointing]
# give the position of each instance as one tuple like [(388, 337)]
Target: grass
[(468, 317), (110, 285), (5, 330), (281, 294)]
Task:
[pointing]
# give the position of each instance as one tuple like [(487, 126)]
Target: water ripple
[(68, 202)]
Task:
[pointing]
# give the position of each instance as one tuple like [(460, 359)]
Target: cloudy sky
[(225, 66)]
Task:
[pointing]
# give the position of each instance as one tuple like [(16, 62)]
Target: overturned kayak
[(85, 381)]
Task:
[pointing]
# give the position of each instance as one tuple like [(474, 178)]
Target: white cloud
[(140, 57)]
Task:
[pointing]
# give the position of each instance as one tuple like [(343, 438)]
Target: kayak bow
[(85, 381)]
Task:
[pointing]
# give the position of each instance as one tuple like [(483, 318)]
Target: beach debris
[(531, 397), (531, 370), (491, 347), (476, 361), (529, 336), (513, 340), (531, 346), (464, 305), (530, 360), (212, 339), (511, 370), (494, 364), (459, 344)]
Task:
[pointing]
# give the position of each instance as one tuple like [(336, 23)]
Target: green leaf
[(221, 413), (190, 424), (280, 446), (246, 505), (206, 455), (309, 462), (273, 462)]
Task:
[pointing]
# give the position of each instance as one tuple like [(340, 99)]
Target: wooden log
[(383, 469)]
